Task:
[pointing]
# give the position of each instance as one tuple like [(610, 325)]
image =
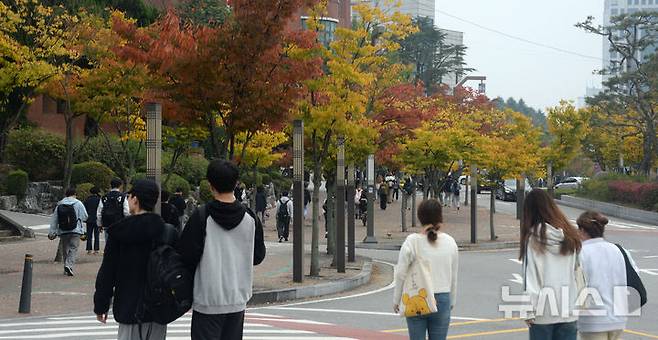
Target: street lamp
[(154, 146), (340, 206), (370, 166), (298, 200)]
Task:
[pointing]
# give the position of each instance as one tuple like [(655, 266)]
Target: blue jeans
[(555, 331), (435, 324)]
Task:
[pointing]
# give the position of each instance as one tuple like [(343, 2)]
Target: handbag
[(417, 290), (633, 280)]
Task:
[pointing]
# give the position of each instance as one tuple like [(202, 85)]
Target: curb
[(293, 293), (463, 246), (610, 209)]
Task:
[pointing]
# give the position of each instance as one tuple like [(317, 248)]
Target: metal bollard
[(26, 288)]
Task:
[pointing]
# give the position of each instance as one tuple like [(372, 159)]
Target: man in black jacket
[(221, 246), (93, 232), (122, 274)]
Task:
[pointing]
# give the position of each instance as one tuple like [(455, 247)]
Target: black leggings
[(92, 232)]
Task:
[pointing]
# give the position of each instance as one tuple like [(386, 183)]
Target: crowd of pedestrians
[(223, 239)]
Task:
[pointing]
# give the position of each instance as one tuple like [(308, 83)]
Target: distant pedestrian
[(179, 202), (121, 278), (383, 195), (238, 191), (112, 208), (169, 212), (456, 188), (440, 251), (66, 222), (549, 250), (447, 191), (396, 189), (261, 203), (221, 243), (357, 197), (307, 200), (93, 232), (283, 216), (605, 269)]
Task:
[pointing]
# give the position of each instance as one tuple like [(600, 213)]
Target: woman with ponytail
[(439, 249), (549, 250)]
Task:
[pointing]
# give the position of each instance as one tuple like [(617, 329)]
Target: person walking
[(121, 277), (66, 222), (456, 188), (549, 251), (93, 232), (169, 212), (307, 199), (383, 195), (447, 191), (396, 189), (605, 268), (220, 244), (112, 208), (357, 197), (261, 203), (283, 216), (178, 201), (441, 251)]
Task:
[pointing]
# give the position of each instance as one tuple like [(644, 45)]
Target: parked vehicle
[(507, 190), (571, 183)]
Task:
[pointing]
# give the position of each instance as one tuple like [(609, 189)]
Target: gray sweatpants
[(154, 330), (70, 243)]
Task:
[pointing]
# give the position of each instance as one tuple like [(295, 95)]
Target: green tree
[(631, 90), (433, 59), (144, 13), (538, 117)]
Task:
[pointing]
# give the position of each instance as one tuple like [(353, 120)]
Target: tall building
[(415, 8), (617, 7)]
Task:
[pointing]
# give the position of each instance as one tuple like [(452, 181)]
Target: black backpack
[(168, 291), (283, 215), (455, 187), (67, 219), (112, 208)]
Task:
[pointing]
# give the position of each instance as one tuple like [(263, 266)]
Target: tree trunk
[(68, 160), (315, 233), (648, 147)]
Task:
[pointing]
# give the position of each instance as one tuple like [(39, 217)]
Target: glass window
[(637, 2), (630, 2), (644, 2), (614, 11)]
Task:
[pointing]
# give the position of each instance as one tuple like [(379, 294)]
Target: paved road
[(482, 277)]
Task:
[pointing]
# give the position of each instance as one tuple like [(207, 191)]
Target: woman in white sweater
[(440, 249), (605, 269), (549, 249)]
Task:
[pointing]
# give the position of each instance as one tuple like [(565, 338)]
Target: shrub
[(39, 153), (564, 191), (193, 168), (95, 173), (205, 194), (17, 183), (112, 154), (5, 169), (596, 189), (174, 182), (82, 190)]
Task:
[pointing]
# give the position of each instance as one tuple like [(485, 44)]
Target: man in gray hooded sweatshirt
[(220, 244), (66, 222)]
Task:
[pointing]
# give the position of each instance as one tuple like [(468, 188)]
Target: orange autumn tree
[(237, 76)]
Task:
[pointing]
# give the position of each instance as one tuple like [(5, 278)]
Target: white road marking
[(651, 257), (517, 278), (62, 293), (39, 227), (341, 311), (653, 272), (516, 261)]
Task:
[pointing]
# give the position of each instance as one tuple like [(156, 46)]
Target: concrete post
[(474, 205), (25, 301), (298, 201), (351, 255), (370, 166), (154, 146), (340, 206)]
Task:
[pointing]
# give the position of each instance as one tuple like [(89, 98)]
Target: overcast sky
[(539, 75)]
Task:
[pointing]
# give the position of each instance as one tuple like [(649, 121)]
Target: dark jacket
[(261, 201), (170, 214), (179, 202), (228, 216), (122, 274), (91, 205)]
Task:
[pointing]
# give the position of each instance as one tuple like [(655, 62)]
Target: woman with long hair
[(549, 250), (440, 250), (604, 266)]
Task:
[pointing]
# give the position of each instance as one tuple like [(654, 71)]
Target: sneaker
[(286, 239), (280, 239), (68, 271), (88, 252), (95, 252)]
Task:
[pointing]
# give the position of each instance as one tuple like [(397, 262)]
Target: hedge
[(17, 183), (92, 172), (205, 194), (39, 153), (82, 190), (644, 195), (174, 182)]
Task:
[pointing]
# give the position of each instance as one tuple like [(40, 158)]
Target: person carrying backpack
[(169, 211), (220, 244), (66, 222), (122, 276), (91, 205), (456, 188), (112, 207), (283, 216)]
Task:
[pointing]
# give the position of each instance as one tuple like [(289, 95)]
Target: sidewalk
[(388, 227)]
